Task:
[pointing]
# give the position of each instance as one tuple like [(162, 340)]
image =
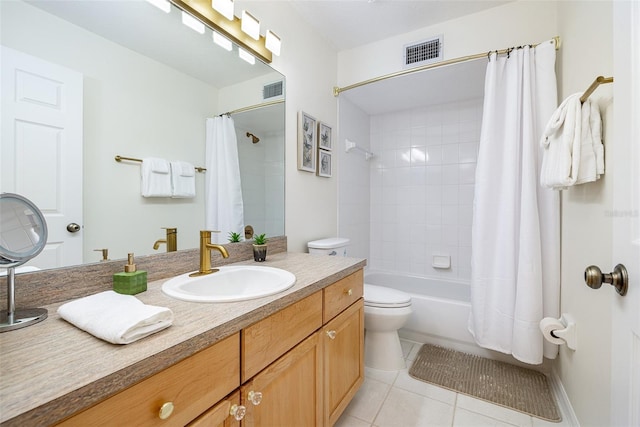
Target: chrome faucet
[(205, 254), (171, 240)]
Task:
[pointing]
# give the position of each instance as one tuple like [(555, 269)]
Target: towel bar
[(132, 159)]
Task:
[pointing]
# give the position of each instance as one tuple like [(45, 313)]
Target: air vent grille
[(272, 90), (424, 52)]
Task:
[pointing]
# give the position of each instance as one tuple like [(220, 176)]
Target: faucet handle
[(105, 253)]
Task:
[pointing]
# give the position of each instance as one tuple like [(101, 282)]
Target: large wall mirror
[(86, 81)]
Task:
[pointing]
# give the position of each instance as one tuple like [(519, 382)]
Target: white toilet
[(385, 311)]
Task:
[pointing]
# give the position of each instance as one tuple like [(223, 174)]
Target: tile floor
[(394, 399)]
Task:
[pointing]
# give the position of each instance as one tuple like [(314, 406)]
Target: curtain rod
[(252, 107), (337, 90)]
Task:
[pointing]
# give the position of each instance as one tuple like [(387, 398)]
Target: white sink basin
[(231, 283)]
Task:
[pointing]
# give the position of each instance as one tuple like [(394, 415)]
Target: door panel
[(41, 152)]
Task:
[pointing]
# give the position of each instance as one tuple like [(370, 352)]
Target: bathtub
[(440, 310)]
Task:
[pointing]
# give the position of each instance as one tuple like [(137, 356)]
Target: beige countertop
[(51, 370)]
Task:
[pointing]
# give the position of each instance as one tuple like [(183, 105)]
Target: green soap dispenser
[(130, 282)]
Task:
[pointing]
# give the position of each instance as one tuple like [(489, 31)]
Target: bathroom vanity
[(295, 358)]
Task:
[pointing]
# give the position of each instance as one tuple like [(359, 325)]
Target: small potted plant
[(234, 237), (260, 247)]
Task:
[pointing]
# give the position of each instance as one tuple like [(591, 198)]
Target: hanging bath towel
[(155, 178)]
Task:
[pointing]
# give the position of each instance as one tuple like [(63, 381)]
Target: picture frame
[(325, 165), (307, 142), (324, 136)]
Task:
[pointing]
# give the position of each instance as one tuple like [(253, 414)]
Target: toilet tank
[(336, 246)]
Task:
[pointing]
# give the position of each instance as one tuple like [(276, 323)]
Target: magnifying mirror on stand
[(23, 235)]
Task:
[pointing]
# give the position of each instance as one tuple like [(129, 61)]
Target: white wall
[(134, 107), (309, 64), (587, 51)]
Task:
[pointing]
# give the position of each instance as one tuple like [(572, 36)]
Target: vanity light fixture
[(224, 7), (246, 56), (250, 25), (273, 43), (234, 30), (163, 5), (192, 23), (222, 41)]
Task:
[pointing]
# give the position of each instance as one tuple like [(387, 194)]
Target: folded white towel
[(183, 180), (116, 318), (155, 178), (591, 150), (561, 140)]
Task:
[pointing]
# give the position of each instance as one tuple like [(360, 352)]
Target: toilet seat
[(380, 296)]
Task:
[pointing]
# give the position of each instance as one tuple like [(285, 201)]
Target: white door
[(41, 151), (625, 386)]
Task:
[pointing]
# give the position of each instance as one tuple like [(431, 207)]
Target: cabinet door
[(222, 414), (343, 360), (289, 391)]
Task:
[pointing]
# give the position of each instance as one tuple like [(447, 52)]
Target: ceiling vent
[(273, 90), (424, 52)]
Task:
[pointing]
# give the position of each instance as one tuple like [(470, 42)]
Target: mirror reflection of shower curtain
[(515, 261), (224, 209)]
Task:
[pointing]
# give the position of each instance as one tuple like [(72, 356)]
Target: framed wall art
[(307, 142), (324, 164), (325, 141)]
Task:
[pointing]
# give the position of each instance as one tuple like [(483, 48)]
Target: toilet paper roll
[(549, 324)]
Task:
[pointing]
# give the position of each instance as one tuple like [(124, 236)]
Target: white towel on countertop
[(155, 178), (116, 318), (561, 140), (591, 150), (183, 180)]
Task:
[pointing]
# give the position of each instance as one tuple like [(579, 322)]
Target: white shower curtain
[(224, 210), (515, 271)]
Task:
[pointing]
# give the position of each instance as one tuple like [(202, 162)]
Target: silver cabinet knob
[(619, 279), (73, 227)]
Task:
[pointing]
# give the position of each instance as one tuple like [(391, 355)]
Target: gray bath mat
[(513, 387)]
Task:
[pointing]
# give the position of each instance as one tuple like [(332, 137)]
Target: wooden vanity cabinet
[(180, 393), (220, 415), (288, 382)]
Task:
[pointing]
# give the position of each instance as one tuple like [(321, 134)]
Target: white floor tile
[(413, 354), (368, 400), (406, 346), (464, 418), (406, 409), (349, 421), (387, 377)]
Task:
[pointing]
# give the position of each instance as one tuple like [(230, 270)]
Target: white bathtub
[(440, 310)]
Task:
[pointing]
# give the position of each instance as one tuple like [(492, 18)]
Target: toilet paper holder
[(564, 330)]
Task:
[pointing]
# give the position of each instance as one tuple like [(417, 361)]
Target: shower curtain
[(515, 271), (224, 210)]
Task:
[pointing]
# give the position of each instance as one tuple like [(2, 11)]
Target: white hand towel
[(155, 178), (561, 140), (116, 318), (591, 151), (183, 180)]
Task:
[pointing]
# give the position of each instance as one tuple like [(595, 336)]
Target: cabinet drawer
[(192, 386), (265, 341), (220, 415), (342, 294)]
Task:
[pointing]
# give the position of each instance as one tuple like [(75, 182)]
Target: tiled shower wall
[(421, 188)]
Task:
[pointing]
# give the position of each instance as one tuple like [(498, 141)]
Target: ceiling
[(352, 23)]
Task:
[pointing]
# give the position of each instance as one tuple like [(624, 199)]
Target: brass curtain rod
[(252, 107), (132, 159), (600, 80), (337, 90)]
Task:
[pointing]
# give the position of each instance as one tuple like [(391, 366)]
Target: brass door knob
[(618, 278), (166, 410)]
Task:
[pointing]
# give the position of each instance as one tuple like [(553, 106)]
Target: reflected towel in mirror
[(183, 180), (155, 178)]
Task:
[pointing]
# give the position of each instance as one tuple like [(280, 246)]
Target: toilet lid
[(380, 296)]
